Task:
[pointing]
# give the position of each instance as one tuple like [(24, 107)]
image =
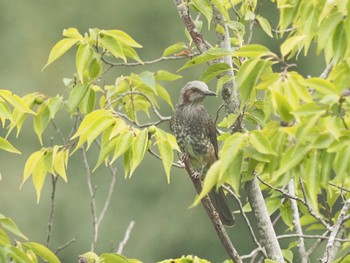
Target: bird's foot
[(195, 175)]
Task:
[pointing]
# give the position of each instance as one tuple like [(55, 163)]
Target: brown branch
[(213, 215), (184, 12), (54, 180)]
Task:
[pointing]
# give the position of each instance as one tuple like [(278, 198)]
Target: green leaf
[(148, 78), (204, 7), (59, 49), (312, 179), (122, 37), (43, 252), (76, 96), (87, 104), (261, 143), (82, 60), (341, 165), (41, 120), (139, 148), (5, 145), (113, 258), (327, 28), (281, 102), (211, 54), (16, 101), (90, 256), (54, 104), (252, 51), (4, 240), (112, 45), (60, 162), (123, 143), (8, 224), (209, 181), (321, 85), (230, 150), (174, 49), (72, 33), (5, 111), (290, 44), (265, 25), (166, 75), (248, 77), (164, 95), (165, 151), (214, 70)]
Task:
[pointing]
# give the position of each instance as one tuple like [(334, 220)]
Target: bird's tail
[(219, 201)]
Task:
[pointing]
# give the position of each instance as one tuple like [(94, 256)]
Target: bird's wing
[(212, 136)]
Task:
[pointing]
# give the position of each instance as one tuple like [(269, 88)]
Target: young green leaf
[(252, 50), (43, 252), (41, 120), (82, 60), (204, 7), (261, 143), (76, 96), (211, 54), (174, 49), (265, 25), (8, 224), (165, 151), (60, 162), (214, 70), (290, 44), (112, 45), (139, 148), (123, 143), (166, 75), (59, 49), (6, 146), (72, 33), (122, 37)]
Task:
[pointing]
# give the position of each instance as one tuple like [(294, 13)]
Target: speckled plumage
[(195, 133)]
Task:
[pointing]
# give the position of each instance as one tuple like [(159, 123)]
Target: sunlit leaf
[(41, 120), (204, 7), (76, 95), (43, 252), (60, 48), (6, 146), (174, 49), (261, 143), (252, 50), (290, 44), (265, 25), (139, 148), (214, 70), (72, 33), (8, 224)]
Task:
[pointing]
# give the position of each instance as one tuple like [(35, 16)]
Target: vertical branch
[(336, 231), (266, 230), (126, 237), (184, 12), (228, 93), (296, 223), (92, 191), (52, 210)]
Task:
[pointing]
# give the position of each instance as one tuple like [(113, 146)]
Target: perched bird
[(195, 133)]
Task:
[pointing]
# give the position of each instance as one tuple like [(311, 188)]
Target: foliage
[(295, 128)]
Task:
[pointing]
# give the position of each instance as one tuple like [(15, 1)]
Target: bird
[(196, 136)]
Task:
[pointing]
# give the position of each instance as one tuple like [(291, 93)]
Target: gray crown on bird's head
[(194, 92)]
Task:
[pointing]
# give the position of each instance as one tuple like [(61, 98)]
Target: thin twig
[(92, 192), (64, 246), (126, 237), (323, 237), (297, 198), (251, 230), (54, 180), (331, 247), (253, 253), (149, 62)]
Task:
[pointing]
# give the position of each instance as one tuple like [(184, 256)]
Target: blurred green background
[(164, 225)]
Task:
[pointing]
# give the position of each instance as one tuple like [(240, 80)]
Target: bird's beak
[(210, 93)]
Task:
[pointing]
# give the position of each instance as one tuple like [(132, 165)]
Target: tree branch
[(267, 233), (337, 229), (296, 223), (126, 237), (214, 216)]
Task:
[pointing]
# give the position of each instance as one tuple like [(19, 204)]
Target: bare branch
[(327, 70), (297, 198), (214, 216), (268, 236), (251, 230), (126, 237), (52, 209), (184, 12), (92, 191), (337, 229), (149, 62), (296, 223), (64, 246)]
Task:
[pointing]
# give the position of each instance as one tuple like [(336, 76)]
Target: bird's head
[(194, 92)]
